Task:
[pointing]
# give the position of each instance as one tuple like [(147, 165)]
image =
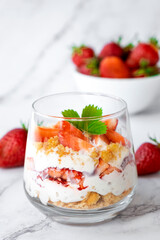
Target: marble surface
[(35, 44)]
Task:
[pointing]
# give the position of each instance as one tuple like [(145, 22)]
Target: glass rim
[(106, 116)]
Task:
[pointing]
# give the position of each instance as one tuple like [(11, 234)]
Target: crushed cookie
[(93, 200), (112, 152), (61, 150), (94, 155), (59, 160)]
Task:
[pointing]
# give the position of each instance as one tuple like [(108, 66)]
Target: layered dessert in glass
[(83, 162)]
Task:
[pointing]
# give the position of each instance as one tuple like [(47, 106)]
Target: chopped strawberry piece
[(42, 134), (65, 126), (66, 176), (115, 137), (55, 173), (76, 143), (111, 123), (102, 166), (110, 170), (105, 168), (103, 138)]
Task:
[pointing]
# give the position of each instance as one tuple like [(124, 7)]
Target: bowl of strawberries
[(130, 72)]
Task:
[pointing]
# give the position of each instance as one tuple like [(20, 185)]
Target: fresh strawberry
[(105, 168), (81, 54), (127, 50), (143, 51), (76, 143), (148, 158), (115, 137), (113, 67), (99, 138), (145, 72), (111, 49), (68, 176), (42, 134), (111, 123), (67, 127), (102, 166), (12, 148), (110, 170), (91, 67), (154, 43)]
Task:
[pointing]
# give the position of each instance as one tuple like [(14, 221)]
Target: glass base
[(83, 217)]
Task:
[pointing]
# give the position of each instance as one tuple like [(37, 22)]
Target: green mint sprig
[(92, 126)]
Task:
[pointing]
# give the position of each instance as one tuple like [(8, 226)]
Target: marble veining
[(35, 48)]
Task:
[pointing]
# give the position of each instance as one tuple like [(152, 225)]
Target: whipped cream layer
[(81, 161), (46, 190)]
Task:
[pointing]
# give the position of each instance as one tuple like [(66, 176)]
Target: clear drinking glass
[(71, 174)]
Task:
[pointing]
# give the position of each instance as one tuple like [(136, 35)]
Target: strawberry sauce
[(63, 176)]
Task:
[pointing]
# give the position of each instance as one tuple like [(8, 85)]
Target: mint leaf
[(91, 126), (92, 111), (97, 127), (70, 113)]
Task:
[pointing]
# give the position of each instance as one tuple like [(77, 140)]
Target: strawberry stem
[(119, 40), (155, 141), (24, 126)]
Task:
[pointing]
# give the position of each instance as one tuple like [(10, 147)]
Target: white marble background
[(35, 45)]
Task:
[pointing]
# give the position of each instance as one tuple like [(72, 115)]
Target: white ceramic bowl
[(139, 93)]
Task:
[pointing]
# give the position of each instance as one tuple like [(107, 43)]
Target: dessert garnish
[(92, 125)]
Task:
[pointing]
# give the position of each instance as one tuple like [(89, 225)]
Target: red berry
[(148, 158), (111, 49), (91, 67), (12, 148), (142, 51), (113, 67), (80, 54)]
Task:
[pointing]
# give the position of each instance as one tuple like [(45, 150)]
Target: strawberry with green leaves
[(148, 157), (81, 54), (143, 51), (145, 70), (12, 148), (111, 49), (91, 67)]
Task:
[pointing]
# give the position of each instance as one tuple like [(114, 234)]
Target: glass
[(74, 176)]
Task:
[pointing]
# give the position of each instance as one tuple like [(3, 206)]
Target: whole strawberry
[(91, 67), (111, 49), (80, 54), (143, 51), (12, 148), (148, 158), (113, 67)]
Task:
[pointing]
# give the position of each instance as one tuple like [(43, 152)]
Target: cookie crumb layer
[(93, 200)]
